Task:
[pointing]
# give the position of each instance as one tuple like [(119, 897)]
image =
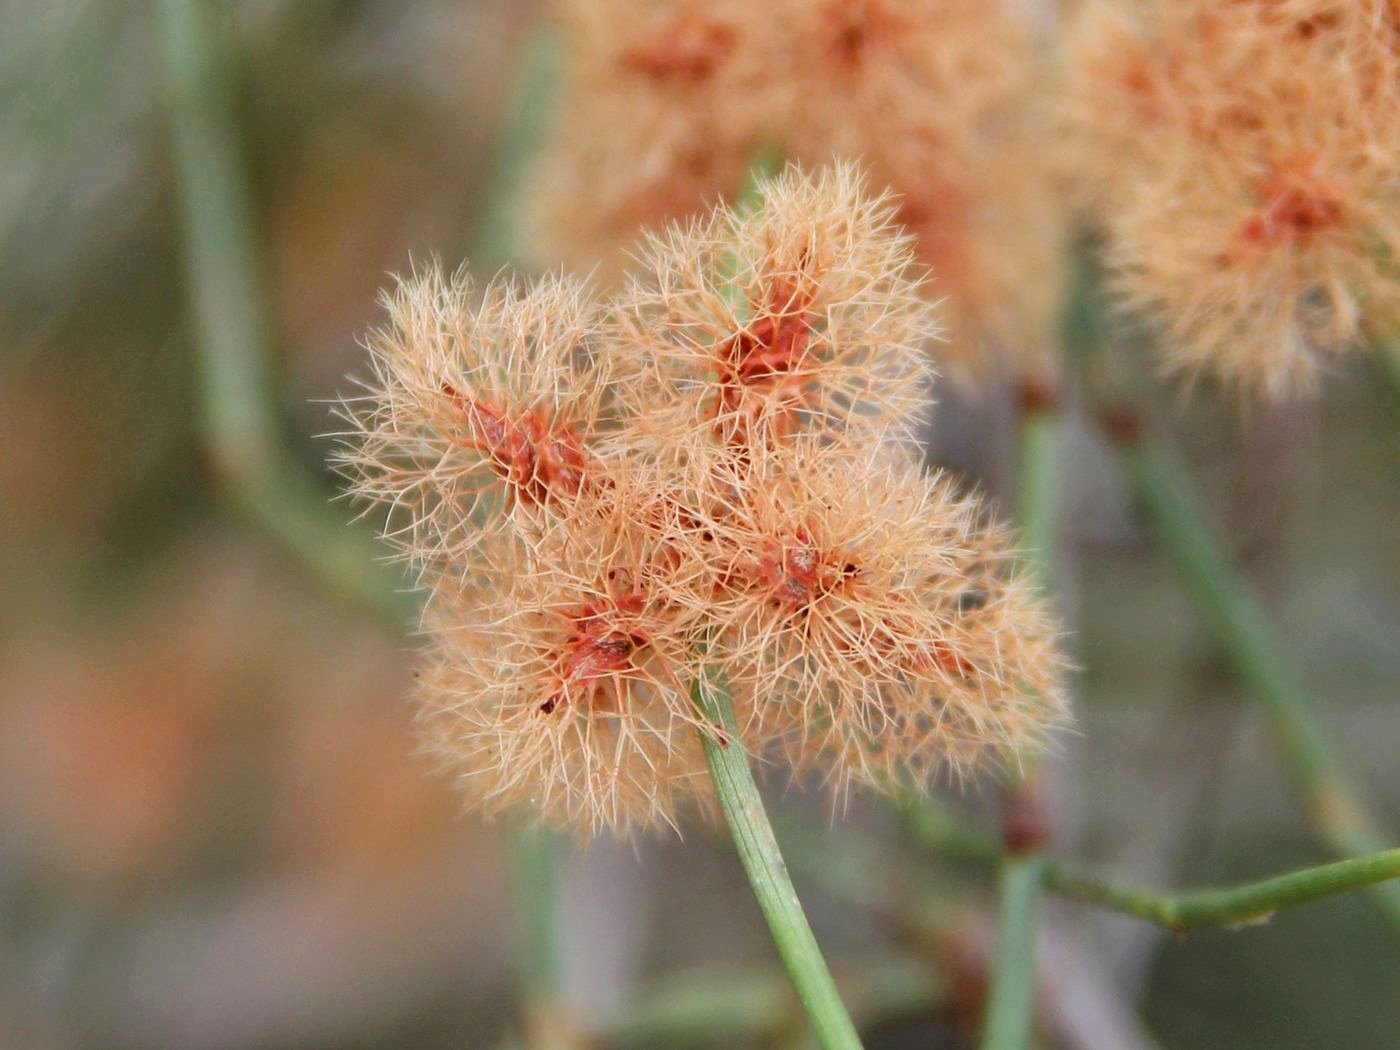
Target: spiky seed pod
[(870, 623), (479, 412), (873, 619), (1258, 281), (803, 315), (665, 105), (564, 688), (1253, 214), (938, 98), (662, 107), (1114, 95)]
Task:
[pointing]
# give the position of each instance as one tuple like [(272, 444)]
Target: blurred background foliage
[(214, 829)]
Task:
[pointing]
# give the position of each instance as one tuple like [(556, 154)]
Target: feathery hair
[(607, 498), (874, 620), (563, 685), (1243, 160), (665, 105), (805, 314), (479, 410), (938, 99)]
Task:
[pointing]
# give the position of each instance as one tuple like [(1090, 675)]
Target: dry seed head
[(666, 104), (938, 98), (663, 105), (564, 688), (479, 412), (678, 467), (874, 621), (803, 315), (1252, 212)]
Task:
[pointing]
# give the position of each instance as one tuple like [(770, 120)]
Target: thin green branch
[(1007, 1023), (1038, 484), (219, 258), (496, 239), (1241, 628), (729, 1010), (240, 426), (1233, 906), (1011, 998), (544, 1020), (292, 510), (1385, 359), (1228, 906), (742, 805)]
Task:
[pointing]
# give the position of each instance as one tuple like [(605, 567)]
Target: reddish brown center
[(599, 649), (765, 359), (536, 459), (1296, 205), (851, 26), (796, 571), (687, 51)]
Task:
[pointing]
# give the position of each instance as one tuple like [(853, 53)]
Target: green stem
[(536, 895), (495, 242), (1229, 906), (1038, 488), (239, 423), (496, 239), (1009, 1005), (240, 427), (218, 249), (729, 1011), (763, 863), (1240, 627), (1010, 1002), (292, 510), (1233, 906), (1385, 359)]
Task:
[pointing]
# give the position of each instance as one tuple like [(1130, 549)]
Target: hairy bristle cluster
[(806, 313), (479, 411), (873, 619), (666, 104), (561, 681), (1243, 159), (606, 501)]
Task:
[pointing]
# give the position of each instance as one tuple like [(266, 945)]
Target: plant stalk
[(496, 240), (743, 1009), (1227, 906), (1010, 1003), (230, 318), (1241, 628), (742, 805), (537, 922), (1241, 905), (1385, 359), (1038, 484)]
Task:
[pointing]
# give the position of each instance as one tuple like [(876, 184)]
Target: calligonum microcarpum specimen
[(1243, 162), (664, 105), (683, 477)]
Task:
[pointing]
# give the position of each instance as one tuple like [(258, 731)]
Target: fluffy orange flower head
[(614, 499), (479, 412), (666, 105), (1243, 159), (874, 621), (939, 98), (805, 314), (562, 688)]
